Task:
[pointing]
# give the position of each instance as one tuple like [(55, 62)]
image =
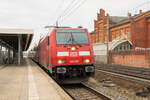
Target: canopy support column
[(1, 53), (8, 55), (19, 49)]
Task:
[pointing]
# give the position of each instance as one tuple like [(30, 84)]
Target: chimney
[(130, 18), (140, 12), (95, 23), (102, 12), (107, 15), (98, 16), (129, 15)]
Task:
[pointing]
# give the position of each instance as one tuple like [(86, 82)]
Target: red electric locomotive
[(67, 54)]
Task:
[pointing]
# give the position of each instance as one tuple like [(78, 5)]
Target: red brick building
[(135, 28)]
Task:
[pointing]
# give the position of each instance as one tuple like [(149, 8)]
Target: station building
[(134, 29)]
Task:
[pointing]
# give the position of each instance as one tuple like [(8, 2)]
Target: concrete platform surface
[(28, 82)]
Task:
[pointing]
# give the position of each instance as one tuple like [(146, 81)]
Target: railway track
[(83, 92), (131, 71), (142, 74)]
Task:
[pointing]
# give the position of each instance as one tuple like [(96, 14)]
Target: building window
[(128, 34), (117, 36), (123, 46), (122, 35), (112, 36), (129, 47), (120, 47)]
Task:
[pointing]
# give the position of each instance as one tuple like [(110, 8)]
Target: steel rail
[(126, 77), (83, 92)]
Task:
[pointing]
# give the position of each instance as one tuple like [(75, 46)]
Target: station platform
[(28, 82)]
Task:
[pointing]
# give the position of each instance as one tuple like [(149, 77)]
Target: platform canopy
[(10, 36)]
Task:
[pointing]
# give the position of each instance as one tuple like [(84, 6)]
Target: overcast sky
[(35, 14)]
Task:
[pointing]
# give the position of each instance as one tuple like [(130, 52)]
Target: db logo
[(73, 54)]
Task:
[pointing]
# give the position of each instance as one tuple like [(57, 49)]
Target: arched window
[(123, 46)]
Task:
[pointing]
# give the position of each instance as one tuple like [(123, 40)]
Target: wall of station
[(148, 26), (138, 58)]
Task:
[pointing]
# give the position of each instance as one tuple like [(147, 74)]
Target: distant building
[(135, 29)]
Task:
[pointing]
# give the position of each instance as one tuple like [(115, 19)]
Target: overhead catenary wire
[(72, 11), (74, 6), (68, 8), (71, 7)]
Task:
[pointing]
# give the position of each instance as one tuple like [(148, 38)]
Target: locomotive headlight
[(86, 60), (61, 61), (73, 48)]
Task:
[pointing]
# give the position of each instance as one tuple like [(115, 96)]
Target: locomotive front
[(74, 53)]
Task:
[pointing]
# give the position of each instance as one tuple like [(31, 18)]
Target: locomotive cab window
[(71, 37)]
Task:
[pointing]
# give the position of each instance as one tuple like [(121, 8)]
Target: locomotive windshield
[(71, 37)]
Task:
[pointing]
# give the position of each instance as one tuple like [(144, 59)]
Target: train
[(67, 54)]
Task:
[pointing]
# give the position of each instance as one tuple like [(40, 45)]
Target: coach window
[(48, 40)]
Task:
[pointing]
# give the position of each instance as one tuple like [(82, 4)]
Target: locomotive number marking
[(74, 61), (73, 54)]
